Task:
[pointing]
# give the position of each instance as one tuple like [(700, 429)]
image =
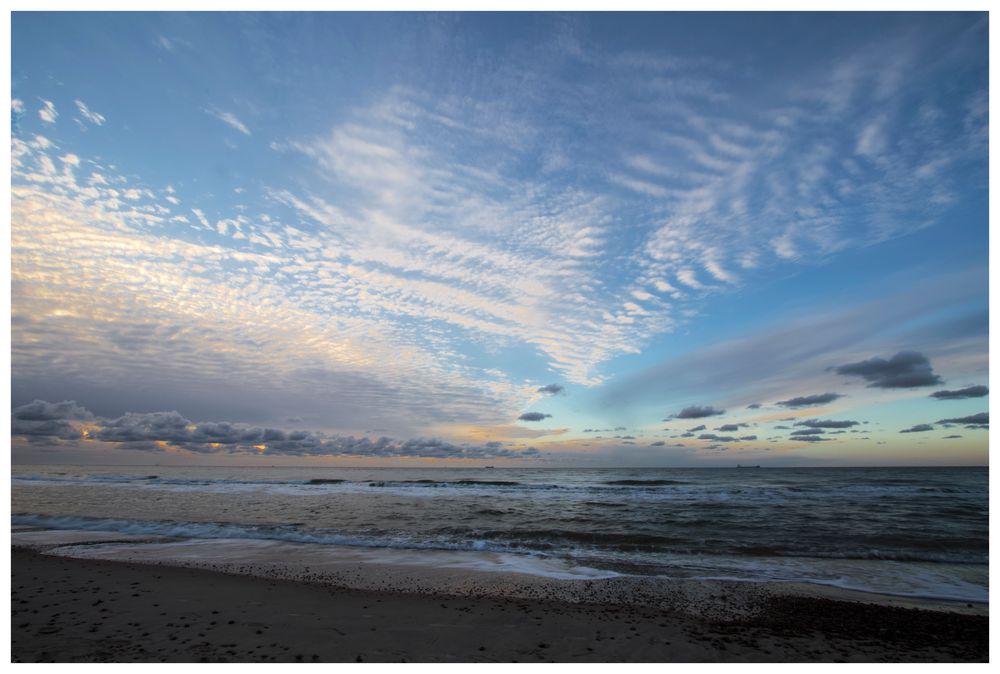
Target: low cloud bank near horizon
[(67, 423)]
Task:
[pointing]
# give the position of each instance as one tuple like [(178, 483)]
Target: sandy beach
[(93, 610)]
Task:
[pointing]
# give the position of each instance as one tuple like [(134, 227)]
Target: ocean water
[(904, 531)]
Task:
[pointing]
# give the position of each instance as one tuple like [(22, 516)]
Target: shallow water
[(909, 531)]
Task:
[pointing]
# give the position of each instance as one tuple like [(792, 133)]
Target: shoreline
[(72, 609), (460, 573)]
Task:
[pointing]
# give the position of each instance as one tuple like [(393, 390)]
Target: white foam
[(319, 558)]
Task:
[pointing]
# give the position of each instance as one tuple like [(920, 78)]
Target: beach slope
[(83, 610)]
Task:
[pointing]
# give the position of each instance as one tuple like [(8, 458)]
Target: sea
[(913, 532)]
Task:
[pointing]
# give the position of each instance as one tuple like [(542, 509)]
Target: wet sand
[(88, 610)]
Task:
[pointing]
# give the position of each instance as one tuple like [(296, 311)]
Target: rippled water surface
[(917, 531)]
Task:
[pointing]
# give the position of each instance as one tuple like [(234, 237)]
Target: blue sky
[(375, 237)]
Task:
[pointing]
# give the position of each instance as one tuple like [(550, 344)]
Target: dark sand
[(78, 610)]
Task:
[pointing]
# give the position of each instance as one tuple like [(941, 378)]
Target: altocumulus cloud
[(907, 369), (155, 431), (551, 389)]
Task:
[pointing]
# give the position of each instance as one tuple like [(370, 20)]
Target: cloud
[(230, 119), (698, 411), (717, 438), (811, 438), (155, 431), (753, 406), (729, 428), (40, 410), (907, 369), (951, 437), (47, 113), (658, 443), (759, 366), (810, 401), (533, 416), (551, 389), (40, 419), (826, 423), (700, 427), (807, 431), (438, 244), (970, 392), (88, 114), (919, 428), (981, 419), (748, 437)]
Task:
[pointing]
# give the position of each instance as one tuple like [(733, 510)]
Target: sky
[(653, 239)]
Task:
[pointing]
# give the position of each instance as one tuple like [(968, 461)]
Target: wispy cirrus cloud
[(89, 115), (230, 119)]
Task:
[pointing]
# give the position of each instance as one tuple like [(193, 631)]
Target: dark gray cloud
[(153, 431), (730, 428), (717, 438), (810, 401), (970, 392), (658, 443), (698, 412), (981, 419), (826, 423), (753, 406), (919, 428), (907, 369), (807, 431), (699, 427), (811, 438), (748, 437), (533, 416), (951, 437), (551, 389), (40, 410), (56, 429), (40, 419)]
